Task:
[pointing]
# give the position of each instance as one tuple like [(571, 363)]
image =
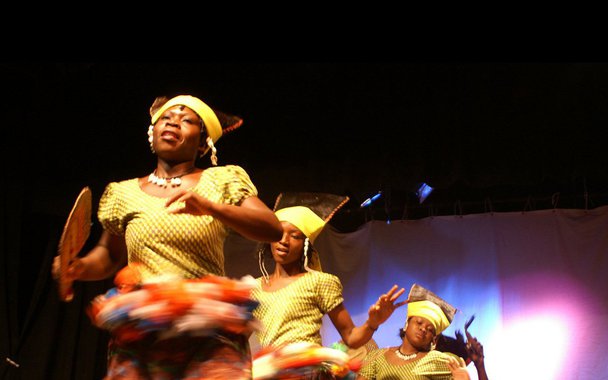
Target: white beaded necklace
[(164, 181), (403, 356)]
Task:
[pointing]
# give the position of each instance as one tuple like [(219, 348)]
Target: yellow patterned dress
[(294, 313), (433, 366), (188, 246), (183, 246)]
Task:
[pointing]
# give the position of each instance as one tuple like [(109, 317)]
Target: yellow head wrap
[(309, 212), (430, 311), (212, 123), (424, 303), (304, 218), (306, 221)]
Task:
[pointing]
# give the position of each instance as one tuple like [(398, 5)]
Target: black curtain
[(41, 336)]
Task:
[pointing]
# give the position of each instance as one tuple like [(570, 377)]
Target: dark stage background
[(489, 137)]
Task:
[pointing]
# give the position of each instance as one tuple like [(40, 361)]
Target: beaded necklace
[(403, 356), (174, 181)]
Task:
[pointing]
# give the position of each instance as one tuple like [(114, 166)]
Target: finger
[(180, 205), (398, 294), (176, 210), (392, 290), (452, 362), (400, 304), (461, 362), (175, 197)]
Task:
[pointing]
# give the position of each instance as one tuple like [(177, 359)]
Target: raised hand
[(384, 307), (474, 349)]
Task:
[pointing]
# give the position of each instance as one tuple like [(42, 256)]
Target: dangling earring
[(306, 243), (213, 151), (262, 266), (151, 137)]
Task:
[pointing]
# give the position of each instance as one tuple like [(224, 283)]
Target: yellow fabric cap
[(212, 123), (430, 311), (304, 218)]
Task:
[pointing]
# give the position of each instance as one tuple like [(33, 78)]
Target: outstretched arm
[(356, 336), (252, 219)]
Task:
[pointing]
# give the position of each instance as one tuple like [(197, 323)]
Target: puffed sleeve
[(238, 185), (329, 289), (110, 210)]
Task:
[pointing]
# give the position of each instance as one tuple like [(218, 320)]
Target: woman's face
[(177, 134), (290, 248), (420, 332)]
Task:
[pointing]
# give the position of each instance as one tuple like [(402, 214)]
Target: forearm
[(253, 223), (481, 371), (360, 335), (99, 264)]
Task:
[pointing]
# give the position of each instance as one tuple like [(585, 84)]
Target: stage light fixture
[(423, 191), (371, 200)]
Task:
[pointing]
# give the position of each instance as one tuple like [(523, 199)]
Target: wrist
[(369, 326)]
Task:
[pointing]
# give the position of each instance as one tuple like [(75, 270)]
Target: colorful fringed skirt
[(303, 361), (178, 329)]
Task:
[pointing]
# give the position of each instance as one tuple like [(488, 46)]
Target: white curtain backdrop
[(536, 281)]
